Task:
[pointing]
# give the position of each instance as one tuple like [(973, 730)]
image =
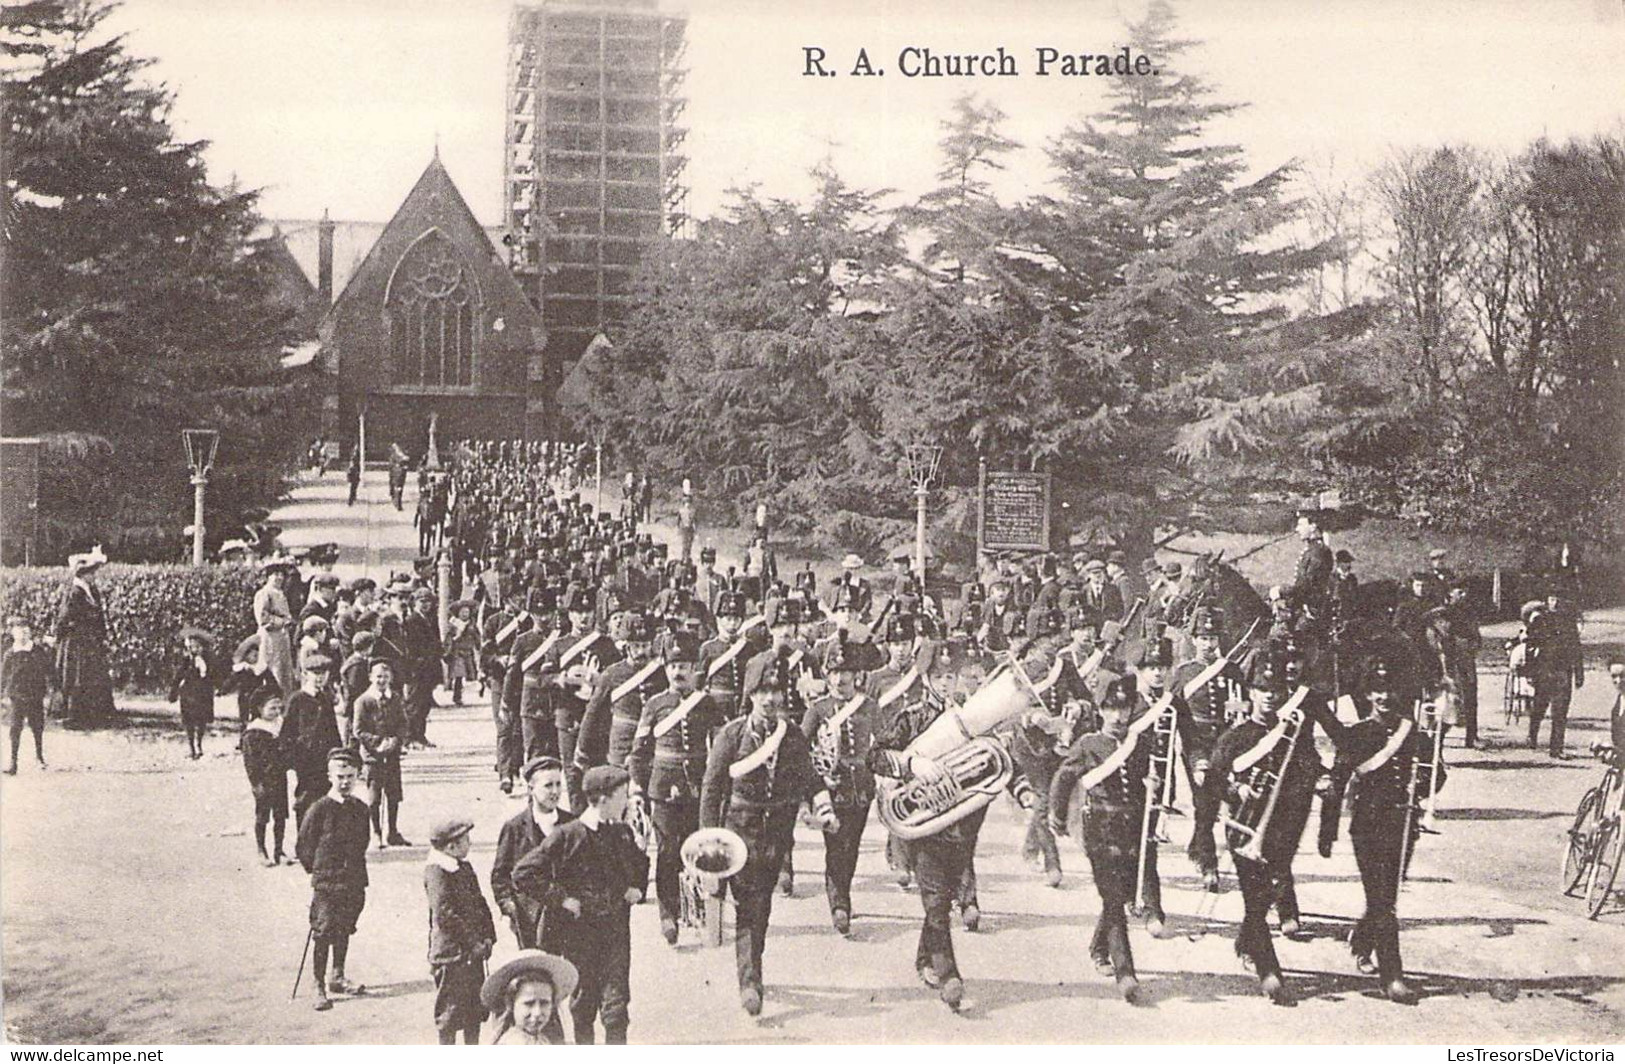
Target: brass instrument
[(710, 857), (1164, 750), (1264, 779), (1432, 715), (826, 745), (976, 765)]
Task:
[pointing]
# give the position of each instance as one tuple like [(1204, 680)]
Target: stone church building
[(430, 322)]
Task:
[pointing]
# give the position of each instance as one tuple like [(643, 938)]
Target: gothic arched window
[(433, 305)]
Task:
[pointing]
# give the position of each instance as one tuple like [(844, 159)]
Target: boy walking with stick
[(332, 847)]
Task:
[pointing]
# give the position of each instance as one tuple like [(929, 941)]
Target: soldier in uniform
[(1243, 753), (840, 730), (538, 733), (1112, 765), (1214, 706), (1151, 672), (722, 658), (758, 773), (573, 667), (941, 861), (616, 706), (1373, 772), (668, 766), (1312, 579), (1040, 737)]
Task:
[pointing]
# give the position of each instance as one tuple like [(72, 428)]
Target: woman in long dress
[(274, 619), (81, 644)]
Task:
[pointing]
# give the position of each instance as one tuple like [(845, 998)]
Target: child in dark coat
[(266, 761), (25, 675), (461, 933), (332, 847), (194, 688)]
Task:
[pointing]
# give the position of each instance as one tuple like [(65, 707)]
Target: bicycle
[(1596, 840), (1519, 692)]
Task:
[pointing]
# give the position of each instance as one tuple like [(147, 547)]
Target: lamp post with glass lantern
[(922, 459), (200, 448)]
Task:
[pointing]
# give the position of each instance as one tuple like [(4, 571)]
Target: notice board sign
[(1014, 511)]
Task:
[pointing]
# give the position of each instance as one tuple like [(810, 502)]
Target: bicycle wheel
[(1577, 849), (1604, 867)]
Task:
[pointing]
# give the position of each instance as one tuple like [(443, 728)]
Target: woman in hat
[(524, 994), (81, 643), (273, 619), (194, 688)]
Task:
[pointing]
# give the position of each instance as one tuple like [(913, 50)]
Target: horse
[(1209, 582)]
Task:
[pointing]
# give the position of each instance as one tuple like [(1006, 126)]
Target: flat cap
[(603, 779), (539, 764), (449, 830)]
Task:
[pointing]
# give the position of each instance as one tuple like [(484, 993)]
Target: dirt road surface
[(135, 911)]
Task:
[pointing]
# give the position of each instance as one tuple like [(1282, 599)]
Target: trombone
[(1431, 718)]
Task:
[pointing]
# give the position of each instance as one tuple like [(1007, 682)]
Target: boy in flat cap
[(589, 873), (309, 731), (332, 847), (522, 833), (380, 730), (461, 932)]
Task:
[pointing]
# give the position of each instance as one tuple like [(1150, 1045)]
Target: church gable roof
[(434, 203)]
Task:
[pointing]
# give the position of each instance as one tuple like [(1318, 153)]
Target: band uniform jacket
[(1113, 811), (782, 783), (533, 695), (1200, 728), (610, 723), (1378, 800), (853, 783), (459, 916), (1297, 779), (520, 835), (671, 767)]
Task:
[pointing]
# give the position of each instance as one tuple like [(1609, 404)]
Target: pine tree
[(135, 298)]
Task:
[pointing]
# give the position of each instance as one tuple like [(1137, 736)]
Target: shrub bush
[(147, 606)]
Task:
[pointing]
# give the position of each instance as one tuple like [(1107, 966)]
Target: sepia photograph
[(725, 523)]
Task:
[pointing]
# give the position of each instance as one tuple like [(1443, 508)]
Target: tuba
[(710, 856), (976, 766)]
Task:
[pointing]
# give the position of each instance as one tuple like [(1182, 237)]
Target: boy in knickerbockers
[(332, 847)]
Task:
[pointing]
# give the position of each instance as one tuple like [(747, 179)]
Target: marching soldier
[(1112, 769), (1249, 760), (1214, 706), (538, 735), (1373, 772), (757, 775), (940, 861), (840, 730), (668, 766), (1151, 672), (572, 668), (722, 658), (1040, 737), (611, 721)]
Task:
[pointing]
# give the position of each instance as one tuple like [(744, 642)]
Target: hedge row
[(147, 606)]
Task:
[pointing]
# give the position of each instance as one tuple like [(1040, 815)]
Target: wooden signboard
[(1014, 511)]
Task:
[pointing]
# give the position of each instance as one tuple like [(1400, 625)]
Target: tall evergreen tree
[(136, 299)]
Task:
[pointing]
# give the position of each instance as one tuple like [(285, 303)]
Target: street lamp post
[(923, 459), (200, 447), (598, 469)]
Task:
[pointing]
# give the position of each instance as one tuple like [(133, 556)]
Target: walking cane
[(301, 973)]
